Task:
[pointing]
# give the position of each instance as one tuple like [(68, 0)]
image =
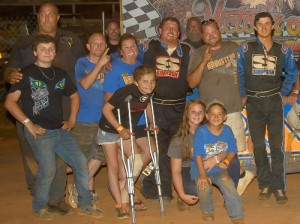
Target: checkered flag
[(140, 18)]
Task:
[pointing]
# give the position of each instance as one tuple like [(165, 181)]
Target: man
[(213, 68), (89, 80), (69, 49), (193, 30), (170, 57), (260, 66), (41, 91), (112, 32)]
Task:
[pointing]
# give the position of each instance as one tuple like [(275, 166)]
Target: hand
[(104, 59), (125, 134), (209, 163), (153, 129), (203, 182), (244, 99), (35, 129), (291, 98), (189, 199), (69, 125), (14, 76), (207, 56)]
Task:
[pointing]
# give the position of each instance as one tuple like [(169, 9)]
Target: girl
[(181, 151), (212, 139), (110, 130)]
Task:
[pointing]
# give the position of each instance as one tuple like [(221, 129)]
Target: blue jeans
[(189, 186), (232, 199), (44, 148), (57, 189)]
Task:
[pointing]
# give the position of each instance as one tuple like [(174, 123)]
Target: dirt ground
[(15, 206)]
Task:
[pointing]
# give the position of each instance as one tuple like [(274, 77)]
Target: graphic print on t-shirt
[(168, 66), (263, 64), (216, 148), (39, 95)]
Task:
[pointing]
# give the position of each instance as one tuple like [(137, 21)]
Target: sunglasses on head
[(206, 21)]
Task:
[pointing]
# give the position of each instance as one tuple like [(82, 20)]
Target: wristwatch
[(217, 159)]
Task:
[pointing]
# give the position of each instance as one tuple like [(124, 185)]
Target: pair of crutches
[(129, 163)]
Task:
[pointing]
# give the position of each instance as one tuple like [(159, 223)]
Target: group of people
[(198, 140)]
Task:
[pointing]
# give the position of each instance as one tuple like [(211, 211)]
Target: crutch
[(128, 164), (155, 157)]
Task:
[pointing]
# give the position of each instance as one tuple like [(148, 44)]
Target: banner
[(235, 19)]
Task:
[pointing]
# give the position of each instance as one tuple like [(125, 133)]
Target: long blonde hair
[(184, 129)]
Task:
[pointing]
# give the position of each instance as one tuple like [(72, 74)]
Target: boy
[(41, 91)]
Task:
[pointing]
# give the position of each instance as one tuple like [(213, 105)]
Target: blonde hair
[(184, 129)]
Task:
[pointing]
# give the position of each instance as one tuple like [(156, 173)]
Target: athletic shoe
[(61, 208), (208, 216), (264, 194), (121, 214), (92, 212), (238, 221), (280, 196), (73, 195), (95, 196), (43, 214), (244, 182)]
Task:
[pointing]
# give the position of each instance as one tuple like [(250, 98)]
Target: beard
[(194, 36)]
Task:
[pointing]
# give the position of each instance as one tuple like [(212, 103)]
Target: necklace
[(46, 75)]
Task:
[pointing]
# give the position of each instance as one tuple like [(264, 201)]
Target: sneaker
[(43, 214), (182, 206), (264, 194), (280, 196), (121, 214), (147, 171), (92, 212), (244, 182), (95, 196), (73, 195), (208, 216), (61, 208), (238, 221)]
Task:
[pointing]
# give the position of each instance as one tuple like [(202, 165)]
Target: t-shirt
[(42, 90), (91, 99), (69, 49), (175, 149), (120, 75), (207, 144), (220, 77), (138, 104)]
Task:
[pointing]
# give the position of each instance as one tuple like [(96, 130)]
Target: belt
[(169, 102), (259, 94)]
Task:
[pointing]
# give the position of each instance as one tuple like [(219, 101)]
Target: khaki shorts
[(235, 121)]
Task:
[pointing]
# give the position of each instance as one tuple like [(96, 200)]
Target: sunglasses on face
[(207, 21)]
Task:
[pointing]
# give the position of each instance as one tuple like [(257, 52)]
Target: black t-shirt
[(112, 48), (138, 104), (42, 90)]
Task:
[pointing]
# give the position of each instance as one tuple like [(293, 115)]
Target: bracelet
[(226, 162), (295, 91), (217, 159), (120, 128), (26, 121)]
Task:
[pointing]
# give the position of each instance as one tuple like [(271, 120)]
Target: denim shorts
[(107, 138)]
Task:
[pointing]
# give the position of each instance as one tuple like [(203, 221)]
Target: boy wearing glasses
[(260, 66)]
